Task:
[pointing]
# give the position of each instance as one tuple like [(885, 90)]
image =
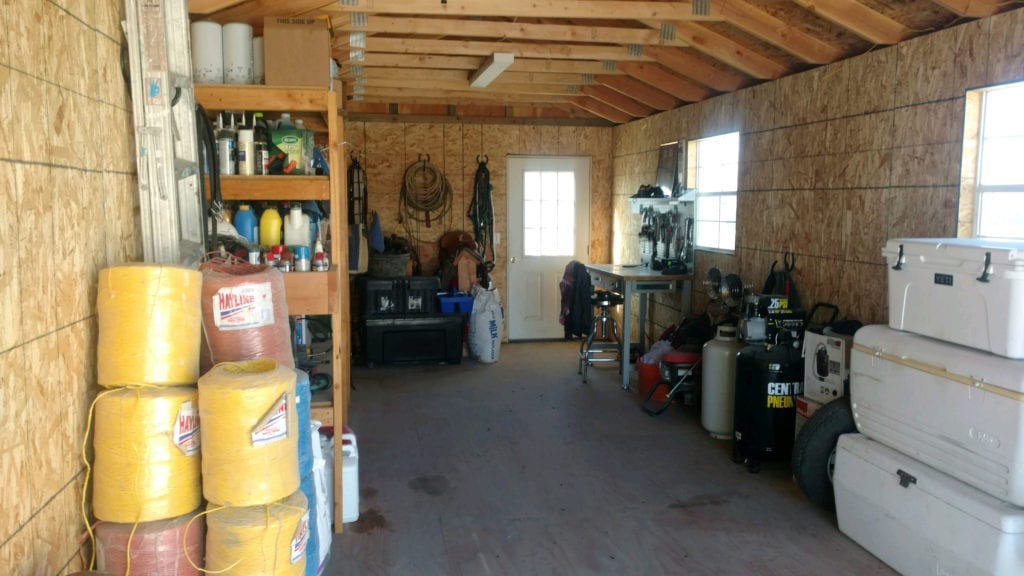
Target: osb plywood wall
[(387, 149), (66, 178), (834, 162)]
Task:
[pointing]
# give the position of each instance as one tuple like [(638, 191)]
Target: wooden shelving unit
[(320, 293)]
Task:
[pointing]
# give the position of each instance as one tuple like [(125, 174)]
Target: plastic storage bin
[(387, 297), (456, 303), (414, 339)]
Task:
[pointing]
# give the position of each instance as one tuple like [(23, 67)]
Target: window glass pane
[(707, 234), (531, 214), (1004, 112), (728, 208), (707, 208), (727, 236), (717, 171), (531, 186), (1001, 161), (1002, 214)]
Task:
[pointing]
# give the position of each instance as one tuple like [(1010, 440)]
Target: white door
[(548, 226)]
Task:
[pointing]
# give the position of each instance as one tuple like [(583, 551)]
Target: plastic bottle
[(246, 152), (270, 227), (285, 121), (296, 227), (261, 145), (245, 223), (226, 147)]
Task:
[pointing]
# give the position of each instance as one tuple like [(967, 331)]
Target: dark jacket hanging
[(577, 313)]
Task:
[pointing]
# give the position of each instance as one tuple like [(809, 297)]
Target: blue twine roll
[(308, 488), (302, 404)]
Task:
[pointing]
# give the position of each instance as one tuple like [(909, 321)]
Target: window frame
[(693, 169), (972, 191)]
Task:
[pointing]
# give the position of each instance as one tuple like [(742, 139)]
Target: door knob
[(512, 259)]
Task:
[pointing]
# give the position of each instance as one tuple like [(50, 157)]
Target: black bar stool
[(604, 349)]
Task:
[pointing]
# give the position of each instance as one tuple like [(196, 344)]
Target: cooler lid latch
[(899, 259), (906, 479), (986, 270)]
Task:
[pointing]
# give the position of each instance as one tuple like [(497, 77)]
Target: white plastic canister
[(349, 477), (719, 382)]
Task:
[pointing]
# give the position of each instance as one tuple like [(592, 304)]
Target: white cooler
[(920, 521), (957, 409), (967, 291)]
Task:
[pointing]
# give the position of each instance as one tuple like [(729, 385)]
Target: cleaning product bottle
[(261, 144), (285, 121), (296, 227), (225, 146), (245, 223), (270, 227)]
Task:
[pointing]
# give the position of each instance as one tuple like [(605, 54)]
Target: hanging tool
[(481, 210), (426, 195)]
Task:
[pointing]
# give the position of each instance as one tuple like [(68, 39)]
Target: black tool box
[(430, 338), (388, 297)]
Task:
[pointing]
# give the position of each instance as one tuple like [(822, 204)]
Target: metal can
[(254, 255), (261, 159)]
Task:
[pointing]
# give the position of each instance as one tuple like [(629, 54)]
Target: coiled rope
[(426, 195)]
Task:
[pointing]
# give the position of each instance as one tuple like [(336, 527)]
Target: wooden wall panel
[(838, 159), (1004, 62), (67, 163), (941, 66)]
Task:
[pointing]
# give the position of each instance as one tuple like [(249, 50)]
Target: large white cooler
[(967, 291), (919, 520), (958, 409)]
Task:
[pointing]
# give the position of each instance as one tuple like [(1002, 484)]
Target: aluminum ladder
[(163, 105)]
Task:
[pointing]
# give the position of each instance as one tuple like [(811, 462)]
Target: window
[(713, 171), (993, 170), (549, 206)]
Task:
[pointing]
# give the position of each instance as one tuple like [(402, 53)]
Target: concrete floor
[(520, 468)]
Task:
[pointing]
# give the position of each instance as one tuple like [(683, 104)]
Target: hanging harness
[(356, 193), (481, 211)]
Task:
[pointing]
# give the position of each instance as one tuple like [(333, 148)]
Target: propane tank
[(719, 382)]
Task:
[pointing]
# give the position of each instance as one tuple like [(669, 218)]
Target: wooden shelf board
[(216, 97), (311, 292), (274, 188)]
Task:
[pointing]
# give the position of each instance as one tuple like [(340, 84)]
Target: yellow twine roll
[(246, 460), (141, 473), (267, 540), (150, 319)]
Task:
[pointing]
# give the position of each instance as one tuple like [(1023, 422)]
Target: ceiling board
[(584, 57)]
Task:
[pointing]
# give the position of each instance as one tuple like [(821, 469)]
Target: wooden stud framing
[(639, 91), (729, 51), (776, 32), (618, 100), (665, 80), (859, 19), (575, 9), (685, 63), (519, 49), (601, 109)]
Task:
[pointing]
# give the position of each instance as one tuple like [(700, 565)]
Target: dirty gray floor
[(520, 468)]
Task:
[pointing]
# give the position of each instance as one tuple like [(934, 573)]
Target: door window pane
[(549, 220)]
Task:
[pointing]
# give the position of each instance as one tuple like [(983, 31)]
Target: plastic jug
[(296, 227), (270, 227), (245, 223), (349, 476)]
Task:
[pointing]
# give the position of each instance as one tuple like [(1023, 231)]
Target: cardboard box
[(297, 52)]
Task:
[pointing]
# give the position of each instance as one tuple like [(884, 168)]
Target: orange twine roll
[(265, 540), (249, 433), (149, 325), (157, 548), (147, 454), (245, 315)]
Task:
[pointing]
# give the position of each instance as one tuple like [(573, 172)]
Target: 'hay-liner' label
[(274, 425), (301, 538), (186, 429), (243, 307)]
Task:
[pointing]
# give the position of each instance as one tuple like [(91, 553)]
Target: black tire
[(814, 451)]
